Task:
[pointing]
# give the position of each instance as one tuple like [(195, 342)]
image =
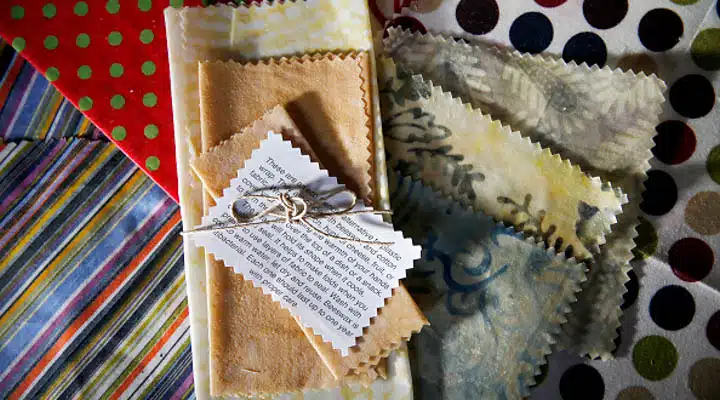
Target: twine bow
[(296, 209)]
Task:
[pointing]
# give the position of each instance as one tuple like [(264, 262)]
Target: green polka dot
[(115, 38), (51, 42), (85, 103), (148, 68), (152, 163), (147, 36), (49, 10), (151, 131), (81, 9), (654, 357), (646, 241), (685, 2), (84, 72), (116, 70), (52, 74), (117, 102), (113, 6), (18, 44), (635, 393), (713, 164), (119, 133), (83, 40), (705, 49), (17, 12), (150, 99), (144, 5), (176, 3)]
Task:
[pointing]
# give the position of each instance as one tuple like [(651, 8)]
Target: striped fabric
[(92, 292), (31, 107)]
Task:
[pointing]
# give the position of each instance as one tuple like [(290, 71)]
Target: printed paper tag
[(333, 286)]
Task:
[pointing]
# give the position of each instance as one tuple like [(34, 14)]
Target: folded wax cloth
[(327, 96), (222, 32), (109, 59), (465, 154), (495, 299), (601, 119), (92, 296)]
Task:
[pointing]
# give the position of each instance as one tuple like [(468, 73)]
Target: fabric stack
[(647, 329), (600, 118)]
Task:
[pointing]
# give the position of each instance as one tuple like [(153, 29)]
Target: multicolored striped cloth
[(92, 292), (31, 108)]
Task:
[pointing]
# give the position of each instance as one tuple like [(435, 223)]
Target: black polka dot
[(691, 259), (660, 193), (604, 14), (672, 307), (660, 29), (585, 47), (674, 143), (582, 382), (713, 330), (477, 16), (633, 288), (531, 32), (692, 96)]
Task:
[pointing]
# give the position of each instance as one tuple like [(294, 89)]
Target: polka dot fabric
[(669, 344), (596, 31), (109, 58)]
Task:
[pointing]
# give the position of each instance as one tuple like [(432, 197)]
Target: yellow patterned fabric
[(476, 160)]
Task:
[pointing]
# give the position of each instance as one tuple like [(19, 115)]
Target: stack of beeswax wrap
[(309, 75), (650, 331), (471, 121), (600, 119)]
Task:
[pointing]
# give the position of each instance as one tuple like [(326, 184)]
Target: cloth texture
[(92, 290)]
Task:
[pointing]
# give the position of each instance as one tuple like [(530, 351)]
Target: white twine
[(295, 209)]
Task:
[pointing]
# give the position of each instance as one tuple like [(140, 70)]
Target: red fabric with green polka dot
[(109, 58)]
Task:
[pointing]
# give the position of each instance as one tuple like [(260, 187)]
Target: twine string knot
[(296, 209)]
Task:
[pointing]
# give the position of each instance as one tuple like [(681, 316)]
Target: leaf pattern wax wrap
[(601, 119), (479, 162), (494, 299)]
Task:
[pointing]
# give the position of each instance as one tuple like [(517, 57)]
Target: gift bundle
[(278, 138), (340, 200)]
